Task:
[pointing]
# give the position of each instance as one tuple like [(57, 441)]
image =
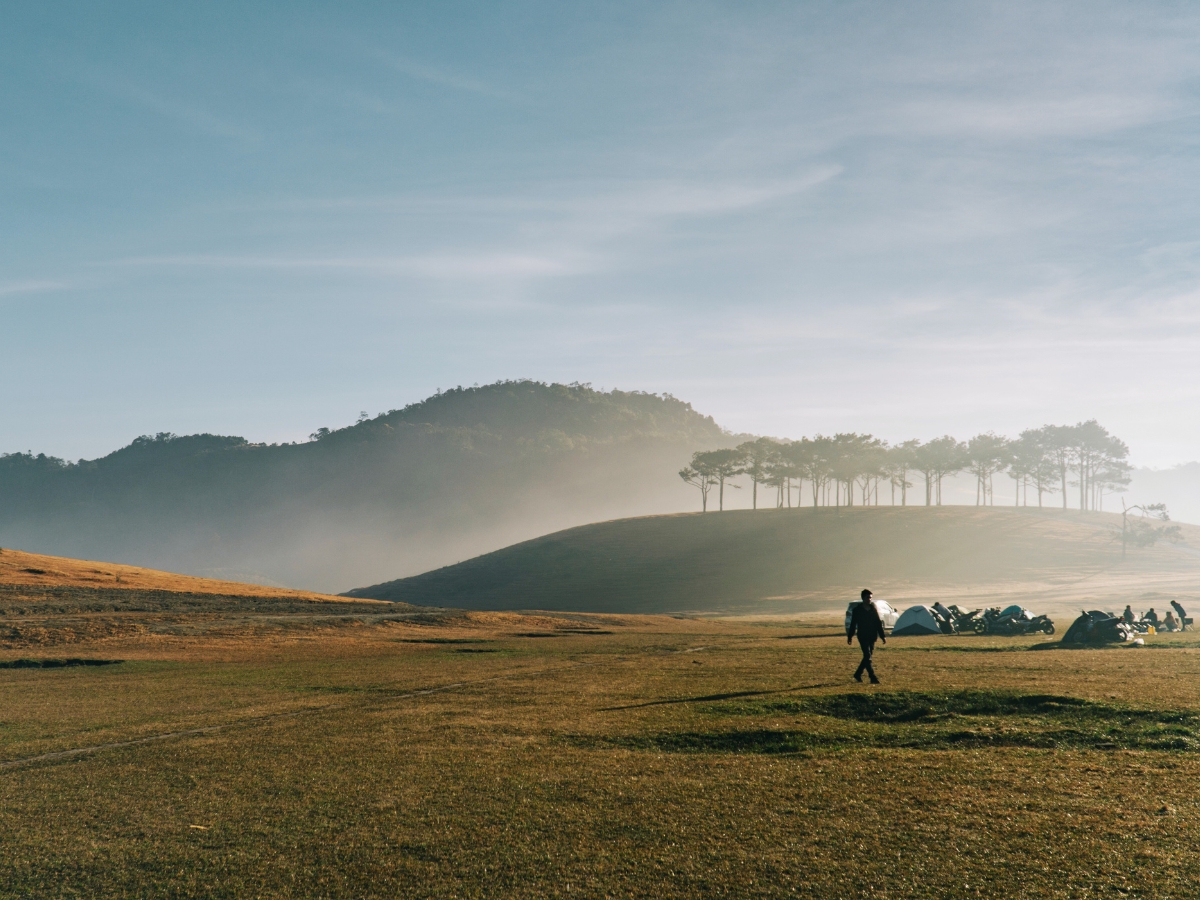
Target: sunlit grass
[(667, 758)]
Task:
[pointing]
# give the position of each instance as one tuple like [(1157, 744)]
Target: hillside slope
[(792, 560), (455, 475), (20, 569)]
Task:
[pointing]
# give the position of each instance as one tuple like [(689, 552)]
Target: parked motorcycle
[(1011, 621)]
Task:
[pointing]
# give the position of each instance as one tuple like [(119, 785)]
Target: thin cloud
[(29, 287), (191, 117), (437, 266), (445, 78)]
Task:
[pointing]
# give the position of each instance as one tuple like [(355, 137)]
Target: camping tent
[(916, 620)]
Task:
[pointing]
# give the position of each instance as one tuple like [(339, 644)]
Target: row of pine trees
[(850, 469)]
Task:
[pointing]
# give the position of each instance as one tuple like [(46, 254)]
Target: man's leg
[(865, 665)]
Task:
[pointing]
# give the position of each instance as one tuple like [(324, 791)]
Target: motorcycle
[(1012, 621)]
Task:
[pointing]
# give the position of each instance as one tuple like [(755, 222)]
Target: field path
[(255, 721)]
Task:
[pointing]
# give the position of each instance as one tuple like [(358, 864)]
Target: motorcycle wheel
[(980, 627), (1049, 629)]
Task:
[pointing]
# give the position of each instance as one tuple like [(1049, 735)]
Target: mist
[(462, 473)]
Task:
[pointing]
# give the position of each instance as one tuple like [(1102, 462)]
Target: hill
[(35, 570), (782, 561), (454, 475)]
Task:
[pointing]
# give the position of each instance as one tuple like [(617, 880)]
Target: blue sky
[(907, 219)]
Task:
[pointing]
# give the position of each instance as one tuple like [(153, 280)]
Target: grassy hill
[(794, 560)]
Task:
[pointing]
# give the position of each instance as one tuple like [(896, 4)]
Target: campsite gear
[(945, 618), (917, 620), (1012, 620), (868, 626), (964, 620), (983, 622), (1098, 627)]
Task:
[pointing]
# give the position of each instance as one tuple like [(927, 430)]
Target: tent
[(916, 620), (1098, 627)]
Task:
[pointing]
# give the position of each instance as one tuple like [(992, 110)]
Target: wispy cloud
[(29, 287), (555, 231), (190, 116), (446, 78), (438, 266)]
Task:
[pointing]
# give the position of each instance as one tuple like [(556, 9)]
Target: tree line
[(848, 468)]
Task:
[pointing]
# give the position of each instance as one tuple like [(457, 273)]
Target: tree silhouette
[(935, 460), (1141, 533), (701, 480), (720, 465), (1043, 457), (1059, 441), (1034, 462), (899, 461), (759, 456), (986, 455)]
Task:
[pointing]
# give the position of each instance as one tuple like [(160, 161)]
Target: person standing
[(865, 622)]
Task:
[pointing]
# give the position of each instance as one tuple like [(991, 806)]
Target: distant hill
[(801, 559), (464, 471)]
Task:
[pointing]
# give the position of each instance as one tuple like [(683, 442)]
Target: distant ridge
[(767, 560), (461, 472)]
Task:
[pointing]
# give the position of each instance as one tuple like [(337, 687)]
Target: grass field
[(355, 750)]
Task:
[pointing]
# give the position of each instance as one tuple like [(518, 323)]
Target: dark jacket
[(865, 622)]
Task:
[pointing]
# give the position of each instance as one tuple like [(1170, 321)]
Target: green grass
[(935, 721), (349, 763)]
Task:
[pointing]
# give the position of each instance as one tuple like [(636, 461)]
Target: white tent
[(916, 620)]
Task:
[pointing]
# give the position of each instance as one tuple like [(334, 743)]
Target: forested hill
[(460, 473)]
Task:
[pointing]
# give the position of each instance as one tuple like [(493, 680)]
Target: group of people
[(1169, 623), (867, 625)]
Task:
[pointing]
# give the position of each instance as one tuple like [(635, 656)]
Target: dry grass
[(22, 569), (496, 755)]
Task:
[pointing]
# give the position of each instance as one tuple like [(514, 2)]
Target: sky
[(907, 219)]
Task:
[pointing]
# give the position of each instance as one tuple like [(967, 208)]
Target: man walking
[(865, 622)]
